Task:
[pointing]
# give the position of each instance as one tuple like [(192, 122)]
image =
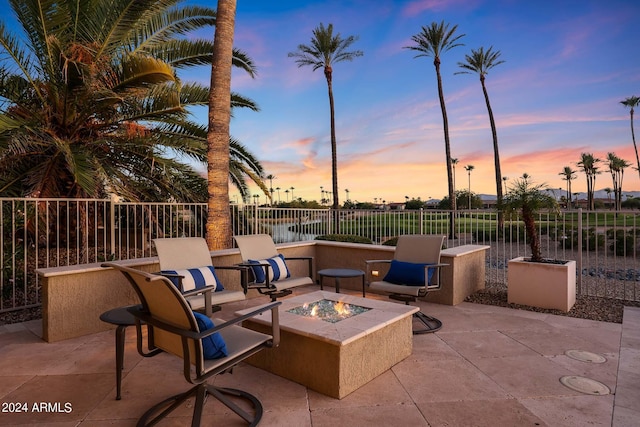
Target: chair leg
[(201, 391), (431, 323)]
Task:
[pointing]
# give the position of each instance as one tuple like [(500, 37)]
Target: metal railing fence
[(41, 233)]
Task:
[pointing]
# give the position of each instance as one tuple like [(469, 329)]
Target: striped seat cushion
[(278, 269), (195, 278)]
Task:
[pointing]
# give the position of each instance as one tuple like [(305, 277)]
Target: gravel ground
[(586, 307)]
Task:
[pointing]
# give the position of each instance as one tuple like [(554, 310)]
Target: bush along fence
[(40, 233)]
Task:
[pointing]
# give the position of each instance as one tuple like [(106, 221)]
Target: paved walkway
[(488, 366)]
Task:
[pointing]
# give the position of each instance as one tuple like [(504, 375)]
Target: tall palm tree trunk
[(633, 138), (334, 152), (219, 215), (496, 154), (447, 148)]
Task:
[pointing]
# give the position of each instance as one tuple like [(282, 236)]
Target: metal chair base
[(201, 391), (431, 323)]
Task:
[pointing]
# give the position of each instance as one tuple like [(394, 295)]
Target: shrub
[(623, 242), (347, 238), (391, 242)]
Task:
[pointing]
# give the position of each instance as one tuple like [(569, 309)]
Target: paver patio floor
[(487, 366)]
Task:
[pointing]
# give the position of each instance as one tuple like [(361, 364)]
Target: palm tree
[(291, 188), (632, 102), (218, 213), (92, 101), (469, 168), (608, 190), (325, 50), (271, 177), (528, 199), (431, 42), (505, 179), (588, 163), (454, 162), (481, 62), (568, 175), (616, 167), (287, 193)]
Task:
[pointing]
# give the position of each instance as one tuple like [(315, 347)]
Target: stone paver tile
[(479, 344), (572, 411), (385, 388), (625, 417), (367, 416), (446, 380), (479, 413), (526, 376), (555, 342), (57, 398)]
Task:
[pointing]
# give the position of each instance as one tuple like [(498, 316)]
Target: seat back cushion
[(278, 269), (213, 346), (181, 253), (196, 278), (256, 246), (408, 273)]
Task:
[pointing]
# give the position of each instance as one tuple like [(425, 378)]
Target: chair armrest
[(266, 267), (426, 275), (144, 317)]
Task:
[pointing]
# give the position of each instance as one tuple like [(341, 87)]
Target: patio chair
[(414, 271), (187, 262), (269, 269), (206, 350)]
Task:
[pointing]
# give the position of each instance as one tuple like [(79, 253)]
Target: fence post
[(255, 218), (579, 260), (421, 222), (112, 228)]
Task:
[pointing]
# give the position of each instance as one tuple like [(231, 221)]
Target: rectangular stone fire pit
[(336, 358)]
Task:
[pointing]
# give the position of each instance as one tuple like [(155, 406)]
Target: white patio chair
[(269, 269), (187, 262)]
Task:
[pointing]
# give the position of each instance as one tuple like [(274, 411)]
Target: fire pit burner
[(328, 310)]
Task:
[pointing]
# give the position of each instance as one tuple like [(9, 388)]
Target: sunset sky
[(568, 64)]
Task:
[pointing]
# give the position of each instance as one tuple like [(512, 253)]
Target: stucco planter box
[(543, 285)]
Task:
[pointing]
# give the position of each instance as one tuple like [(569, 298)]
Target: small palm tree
[(632, 102), (616, 167), (588, 163), (568, 175), (469, 168), (454, 162), (528, 200), (432, 41), (480, 62), (326, 49)]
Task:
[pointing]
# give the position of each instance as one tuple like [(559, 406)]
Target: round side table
[(121, 318), (340, 273)]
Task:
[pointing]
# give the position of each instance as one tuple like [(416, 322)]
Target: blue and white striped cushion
[(277, 271), (196, 278)]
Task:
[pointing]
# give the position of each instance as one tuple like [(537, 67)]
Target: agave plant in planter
[(537, 281)]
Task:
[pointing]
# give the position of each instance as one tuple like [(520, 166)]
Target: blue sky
[(568, 64)]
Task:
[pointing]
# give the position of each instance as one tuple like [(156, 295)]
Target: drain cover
[(585, 356), (585, 385)]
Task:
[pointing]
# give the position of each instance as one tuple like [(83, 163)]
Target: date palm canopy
[(91, 102)]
